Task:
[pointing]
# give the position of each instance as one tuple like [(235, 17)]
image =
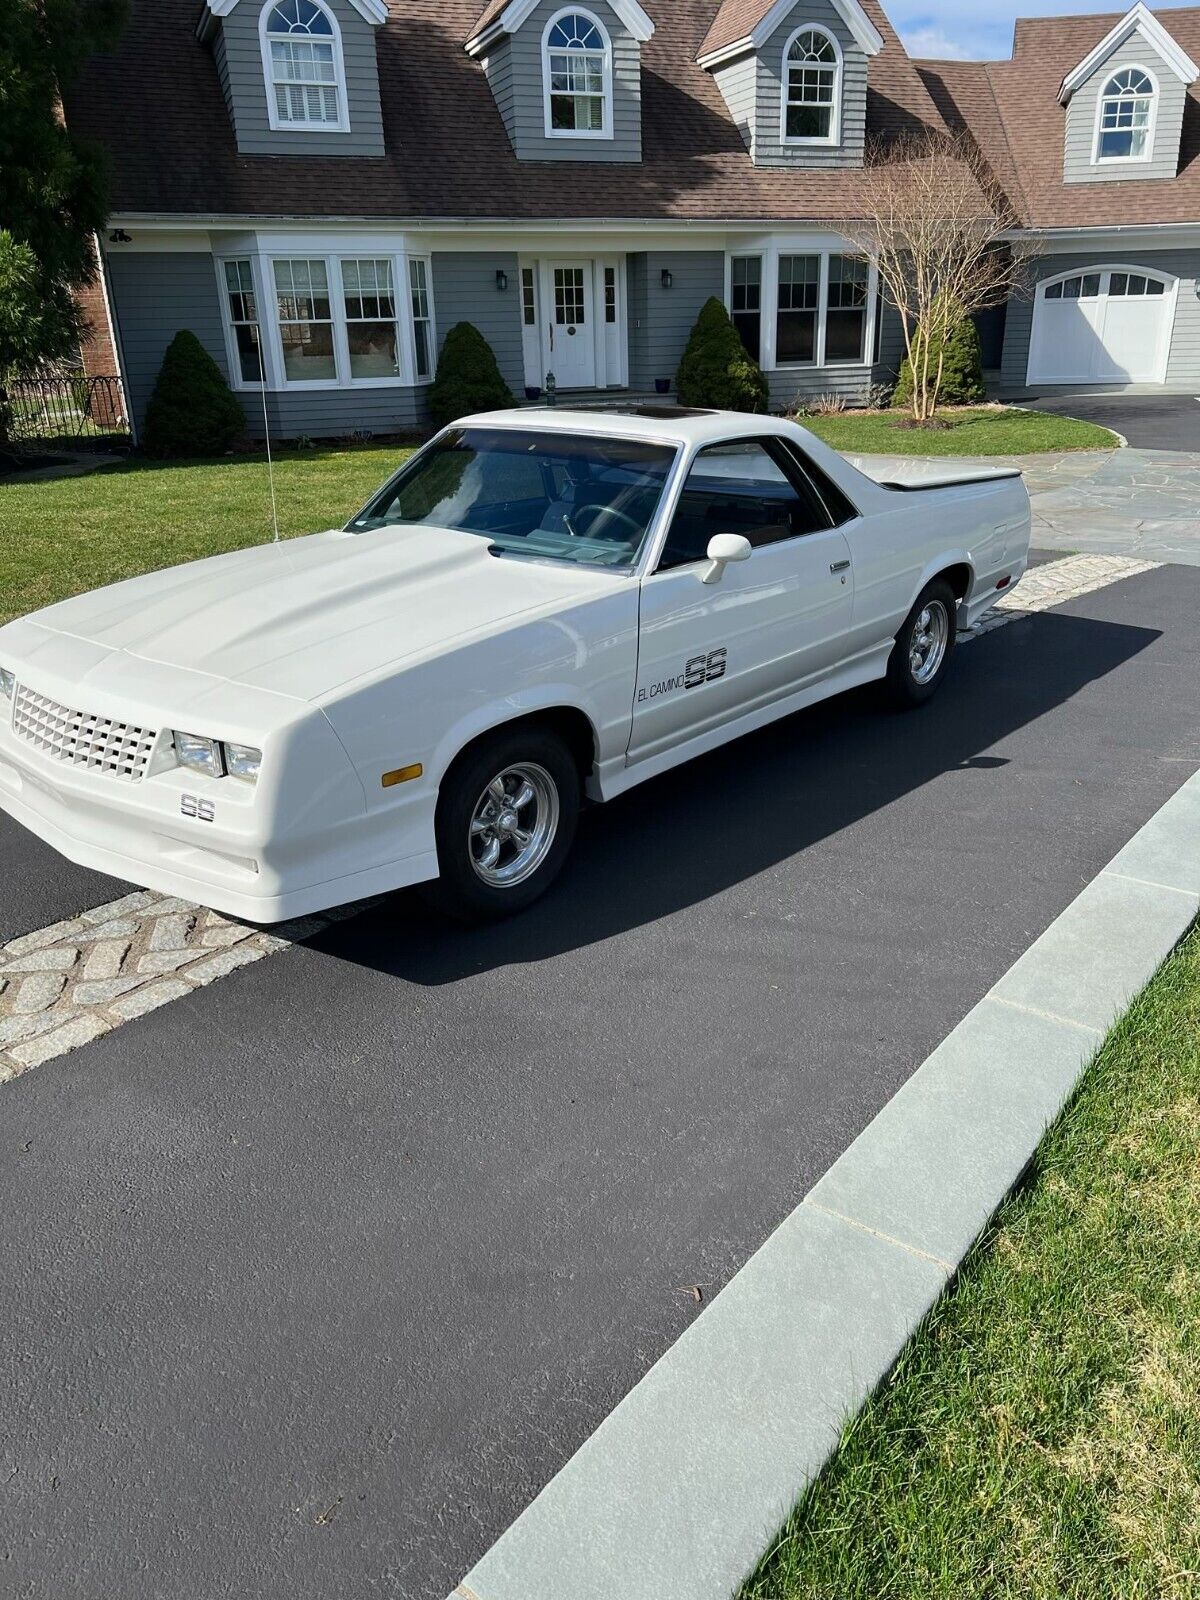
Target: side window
[(740, 487)]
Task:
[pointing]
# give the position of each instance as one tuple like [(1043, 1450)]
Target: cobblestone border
[(68, 984), (74, 981)]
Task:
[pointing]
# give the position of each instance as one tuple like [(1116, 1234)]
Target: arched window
[(577, 72), (812, 88), (302, 58), (1125, 129)]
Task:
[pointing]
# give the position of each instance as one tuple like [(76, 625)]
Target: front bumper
[(301, 840)]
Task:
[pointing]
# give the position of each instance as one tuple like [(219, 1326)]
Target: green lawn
[(71, 534), (982, 431), (1041, 1438)]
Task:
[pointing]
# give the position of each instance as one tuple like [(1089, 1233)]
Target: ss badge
[(202, 810)]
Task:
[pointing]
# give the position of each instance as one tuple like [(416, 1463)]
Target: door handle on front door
[(839, 566)]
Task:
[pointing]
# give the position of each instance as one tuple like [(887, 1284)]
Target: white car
[(539, 606)]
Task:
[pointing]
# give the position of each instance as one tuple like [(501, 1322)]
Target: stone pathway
[(1143, 503), (70, 983)]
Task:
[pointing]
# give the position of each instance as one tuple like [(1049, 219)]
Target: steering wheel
[(633, 525)]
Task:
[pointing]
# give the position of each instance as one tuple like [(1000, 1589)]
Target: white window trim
[(604, 132), (1151, 129), (834, 136), (768, 336), (342, 125), (271, 340), (409, 331)]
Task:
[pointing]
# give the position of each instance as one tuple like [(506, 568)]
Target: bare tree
[(933, 223)]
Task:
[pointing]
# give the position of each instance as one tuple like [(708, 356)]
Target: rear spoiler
[(966, 481)]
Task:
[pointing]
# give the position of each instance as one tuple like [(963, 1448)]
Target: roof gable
[(373, 11), (506, 16), (1138, 20), (742, 25)]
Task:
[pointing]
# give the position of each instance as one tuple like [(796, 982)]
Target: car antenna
[(262, 385)]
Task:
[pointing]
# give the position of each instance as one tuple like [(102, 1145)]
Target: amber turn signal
[(402, 775)]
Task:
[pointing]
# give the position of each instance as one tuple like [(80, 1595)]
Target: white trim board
[(863, 31), (515, 15), (1139, 19)]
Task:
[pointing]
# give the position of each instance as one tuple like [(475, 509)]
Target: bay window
[(799, 300), (745, 288), (418, 276), (846, 310), (242, 304), (371, 333), (305, 321)]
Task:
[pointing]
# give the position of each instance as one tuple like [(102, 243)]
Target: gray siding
[(1183, 366), (769, 149), (464, 290), (240, 64), (1078, 166), (737, 82), (661, 320), (793, 385), (514, 70), (336, 413), (154, 296)]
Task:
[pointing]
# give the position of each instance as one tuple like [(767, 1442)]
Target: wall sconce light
[(502, 280), (119, 236), (667, 279)]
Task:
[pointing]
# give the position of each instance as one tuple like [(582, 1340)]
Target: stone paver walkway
[(1143, 503)]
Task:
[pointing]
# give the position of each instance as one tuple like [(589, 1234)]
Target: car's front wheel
[(505, 823), (923, 647)]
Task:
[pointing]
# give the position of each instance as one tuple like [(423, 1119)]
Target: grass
[(972, 431), (67, 535), (1041, 1437)]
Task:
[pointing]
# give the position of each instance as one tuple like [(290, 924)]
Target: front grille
[(80, 737)]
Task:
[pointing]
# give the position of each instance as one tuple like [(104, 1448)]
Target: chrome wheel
[(513, 825), (927, 647)]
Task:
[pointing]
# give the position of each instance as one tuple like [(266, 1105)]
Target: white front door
[(1104, 325), (570, 335)]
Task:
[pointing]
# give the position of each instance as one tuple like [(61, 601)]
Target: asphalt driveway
[(316, 1276), (1147, 421)]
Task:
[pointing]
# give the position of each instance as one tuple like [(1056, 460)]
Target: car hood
[(306, 616)]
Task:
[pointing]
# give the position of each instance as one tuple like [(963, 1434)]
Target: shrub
[(962, 374), (468, 378), (192, 411), (717, 370)]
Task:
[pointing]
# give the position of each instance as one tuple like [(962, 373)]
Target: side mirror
[(722, 549)]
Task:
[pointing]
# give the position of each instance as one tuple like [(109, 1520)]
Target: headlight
[(8, 683), (216, 759), (242, 761), (202, 755)]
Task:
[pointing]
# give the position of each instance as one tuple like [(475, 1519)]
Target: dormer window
[(1125, 126), (302, 59), (812, 79), (577, 73)]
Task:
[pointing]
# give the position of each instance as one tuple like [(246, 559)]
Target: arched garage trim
[(1111, 322)]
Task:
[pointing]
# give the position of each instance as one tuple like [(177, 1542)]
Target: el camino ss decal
[(699, 670)]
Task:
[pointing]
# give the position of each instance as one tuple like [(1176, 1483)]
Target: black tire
[(906, 687), (461, 891)]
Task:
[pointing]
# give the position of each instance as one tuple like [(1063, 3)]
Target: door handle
[(839, 566)]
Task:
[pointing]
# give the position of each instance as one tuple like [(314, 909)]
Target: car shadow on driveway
[(682, 838)]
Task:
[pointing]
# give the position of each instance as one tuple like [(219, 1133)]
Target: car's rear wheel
[(923, 647), (506, 820)]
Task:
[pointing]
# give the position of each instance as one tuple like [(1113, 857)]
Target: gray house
[(320, 189)]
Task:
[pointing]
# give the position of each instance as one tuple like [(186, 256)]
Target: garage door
[(1104, 325)]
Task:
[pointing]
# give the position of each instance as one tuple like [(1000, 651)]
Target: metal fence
[(53, 411)]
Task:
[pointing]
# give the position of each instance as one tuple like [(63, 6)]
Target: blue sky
[(980, 29)]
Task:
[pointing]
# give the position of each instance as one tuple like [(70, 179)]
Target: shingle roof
[(1020, 127), (157, 105), (734, 20)]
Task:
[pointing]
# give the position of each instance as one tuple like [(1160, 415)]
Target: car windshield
[(558, 496)]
